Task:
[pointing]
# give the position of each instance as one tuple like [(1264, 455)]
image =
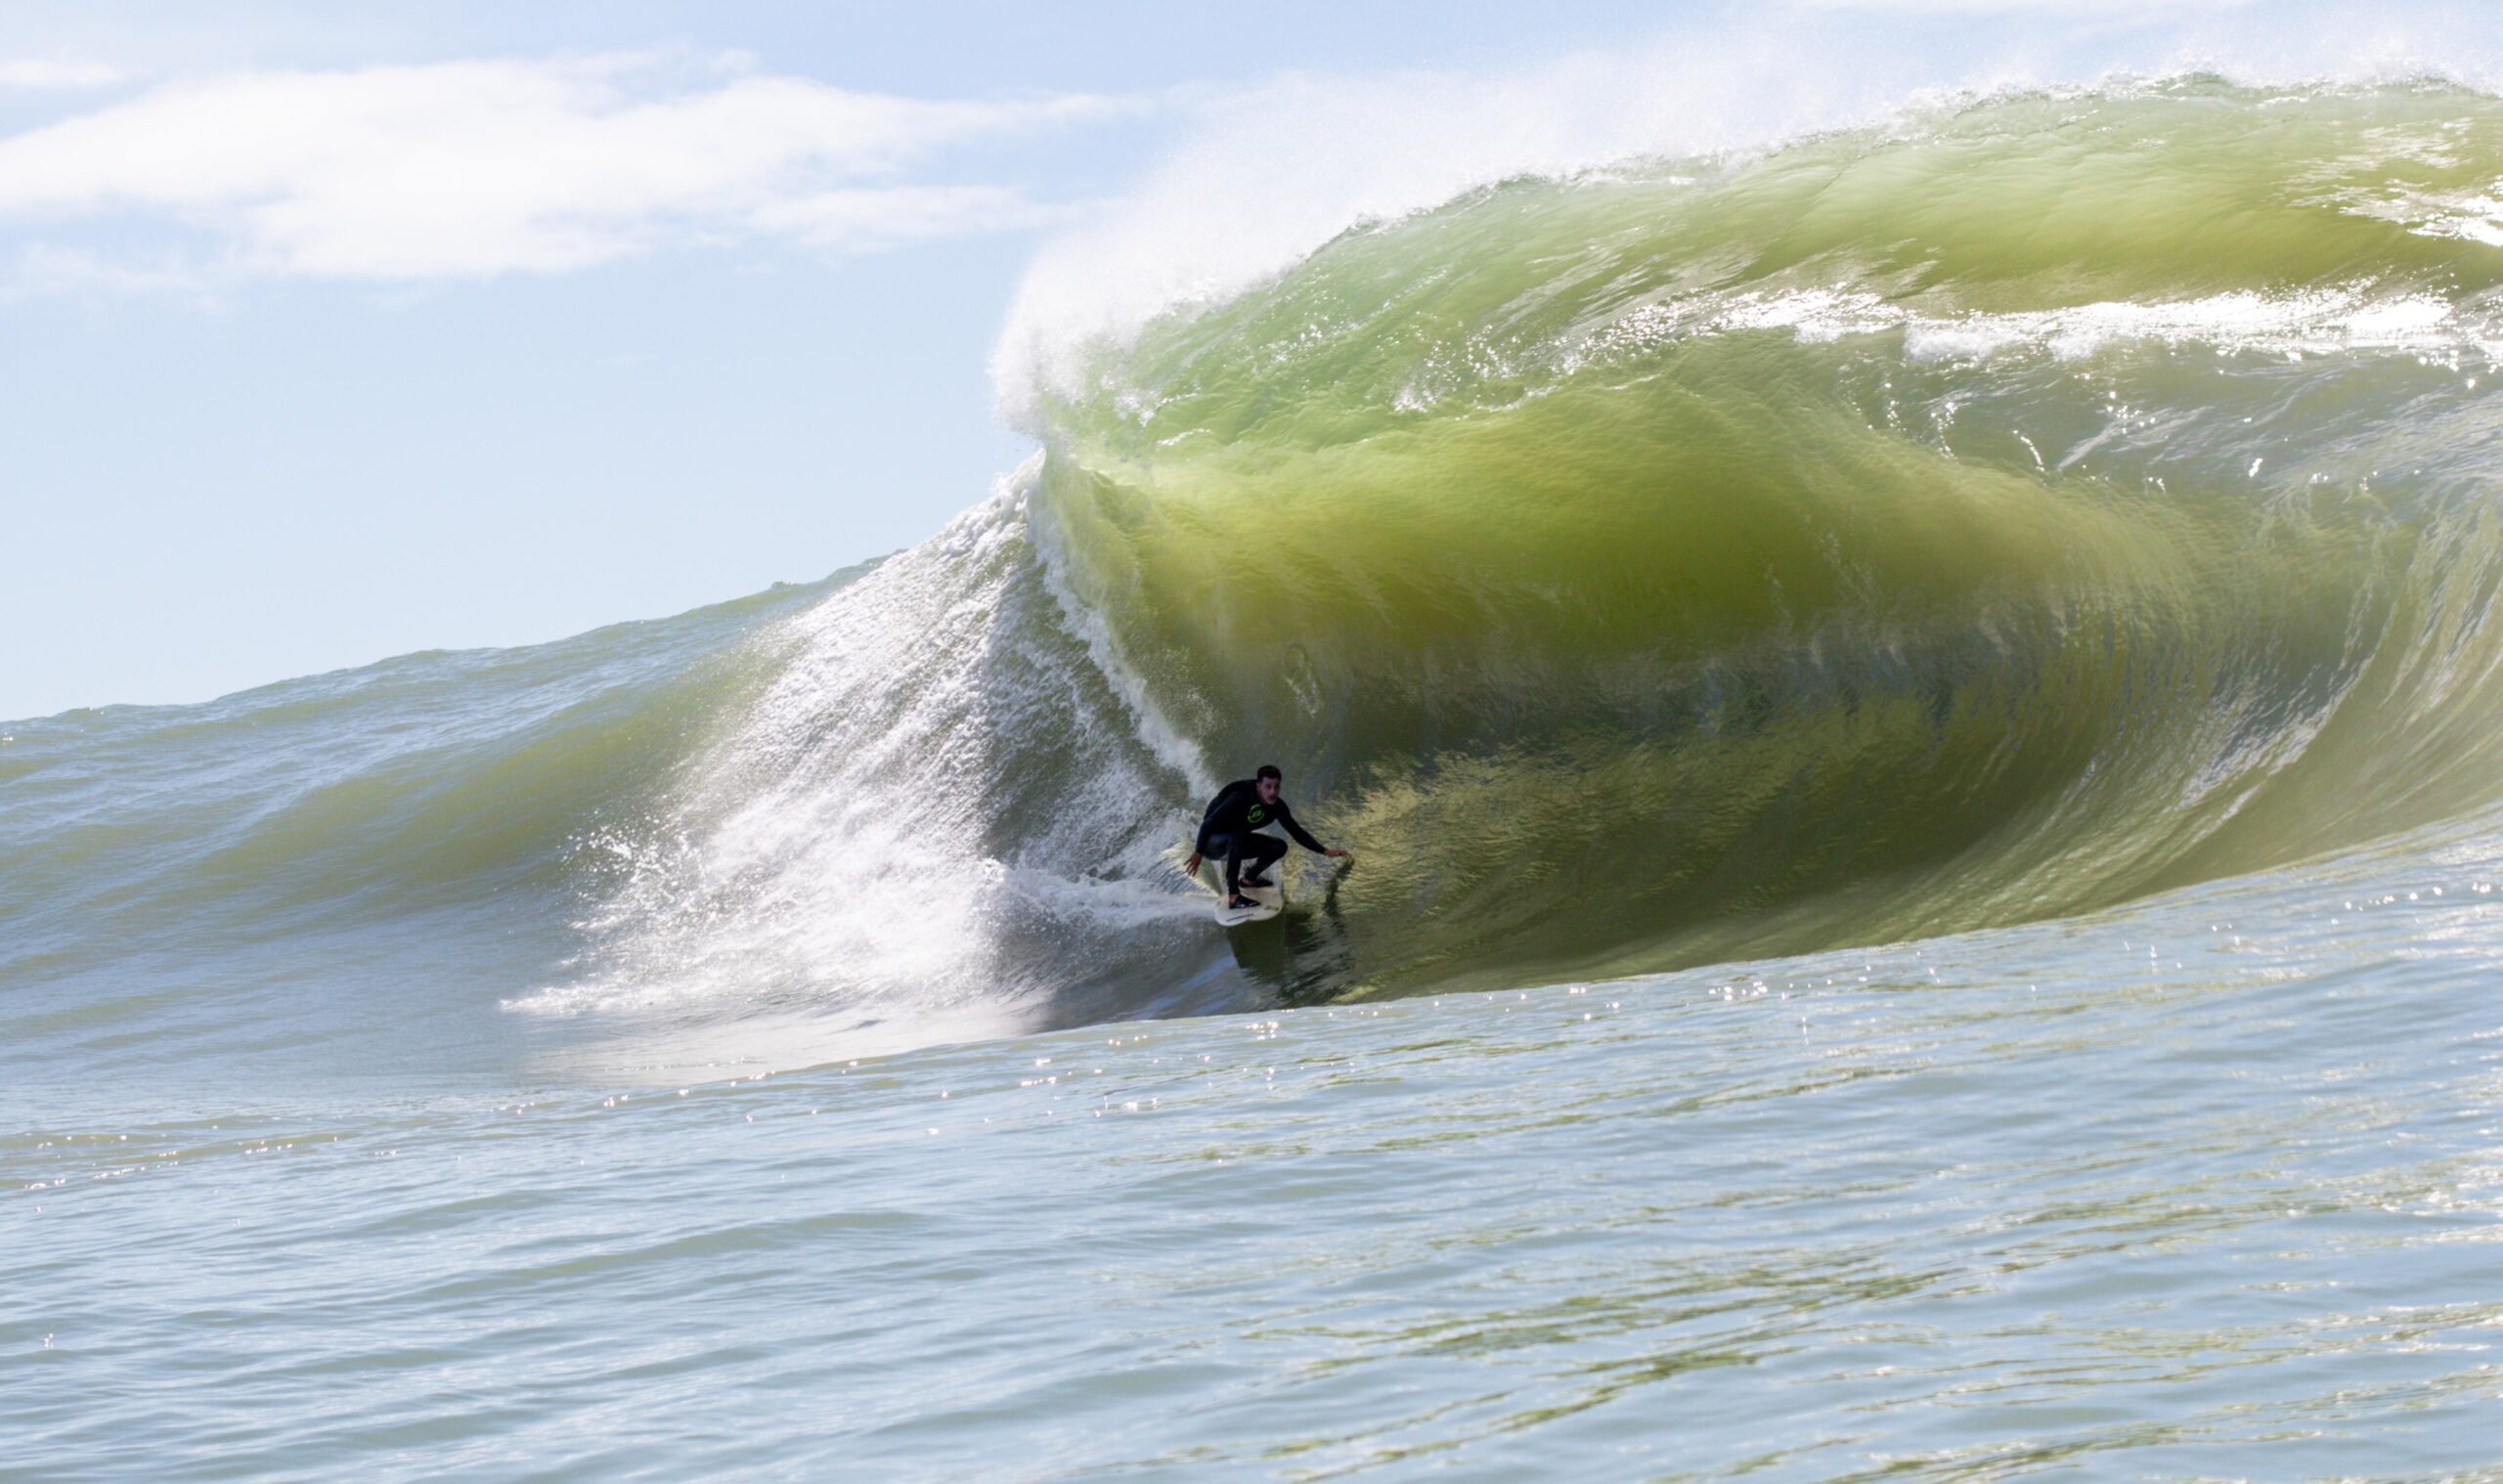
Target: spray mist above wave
[(938, 812)]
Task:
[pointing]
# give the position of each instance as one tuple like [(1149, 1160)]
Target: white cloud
[(481, 167), (41, 268), (56, 74)]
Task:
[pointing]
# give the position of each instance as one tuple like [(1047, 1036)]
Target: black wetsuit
[(1232, 830)]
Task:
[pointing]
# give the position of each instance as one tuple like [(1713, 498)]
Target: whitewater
[(1919, 700)]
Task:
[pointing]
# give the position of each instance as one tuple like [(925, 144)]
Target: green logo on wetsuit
[(1257, 814)]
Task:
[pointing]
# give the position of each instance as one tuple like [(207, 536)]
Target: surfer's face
[(1267, 789)]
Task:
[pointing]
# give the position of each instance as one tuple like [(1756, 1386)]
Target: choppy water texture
[(1918, 709)]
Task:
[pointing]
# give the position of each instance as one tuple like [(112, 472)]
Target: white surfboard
[(1267, 902)]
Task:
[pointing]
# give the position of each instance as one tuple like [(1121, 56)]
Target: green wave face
[(2023, 507)]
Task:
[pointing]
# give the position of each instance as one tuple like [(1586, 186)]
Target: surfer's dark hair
[(1268, 771)]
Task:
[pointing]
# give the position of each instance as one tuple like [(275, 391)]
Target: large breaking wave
[(2033, 503), (2023, 504)]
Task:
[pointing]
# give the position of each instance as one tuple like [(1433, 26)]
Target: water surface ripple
[(2147, 1194)]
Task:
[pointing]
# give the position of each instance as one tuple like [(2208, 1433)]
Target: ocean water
[(1918, 708)]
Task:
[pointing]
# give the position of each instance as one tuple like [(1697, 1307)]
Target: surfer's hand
[(1338, 854), (1191, 867)]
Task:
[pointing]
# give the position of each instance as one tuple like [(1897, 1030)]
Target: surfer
[(1231, 829)]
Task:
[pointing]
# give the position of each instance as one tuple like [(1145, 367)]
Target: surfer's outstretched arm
[(1303, 837)]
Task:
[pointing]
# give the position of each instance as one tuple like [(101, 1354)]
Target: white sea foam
[(2310, 322), (2356, 317), (837, 849)]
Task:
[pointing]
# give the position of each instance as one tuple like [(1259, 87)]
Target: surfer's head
[(1265, 782)]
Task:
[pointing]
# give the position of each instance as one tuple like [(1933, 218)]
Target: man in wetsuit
[(1232, 830)]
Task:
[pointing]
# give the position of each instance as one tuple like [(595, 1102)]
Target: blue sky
[(335, 332), (279, 398)]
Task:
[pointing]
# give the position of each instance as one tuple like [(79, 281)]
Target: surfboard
[(1267, 902)]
